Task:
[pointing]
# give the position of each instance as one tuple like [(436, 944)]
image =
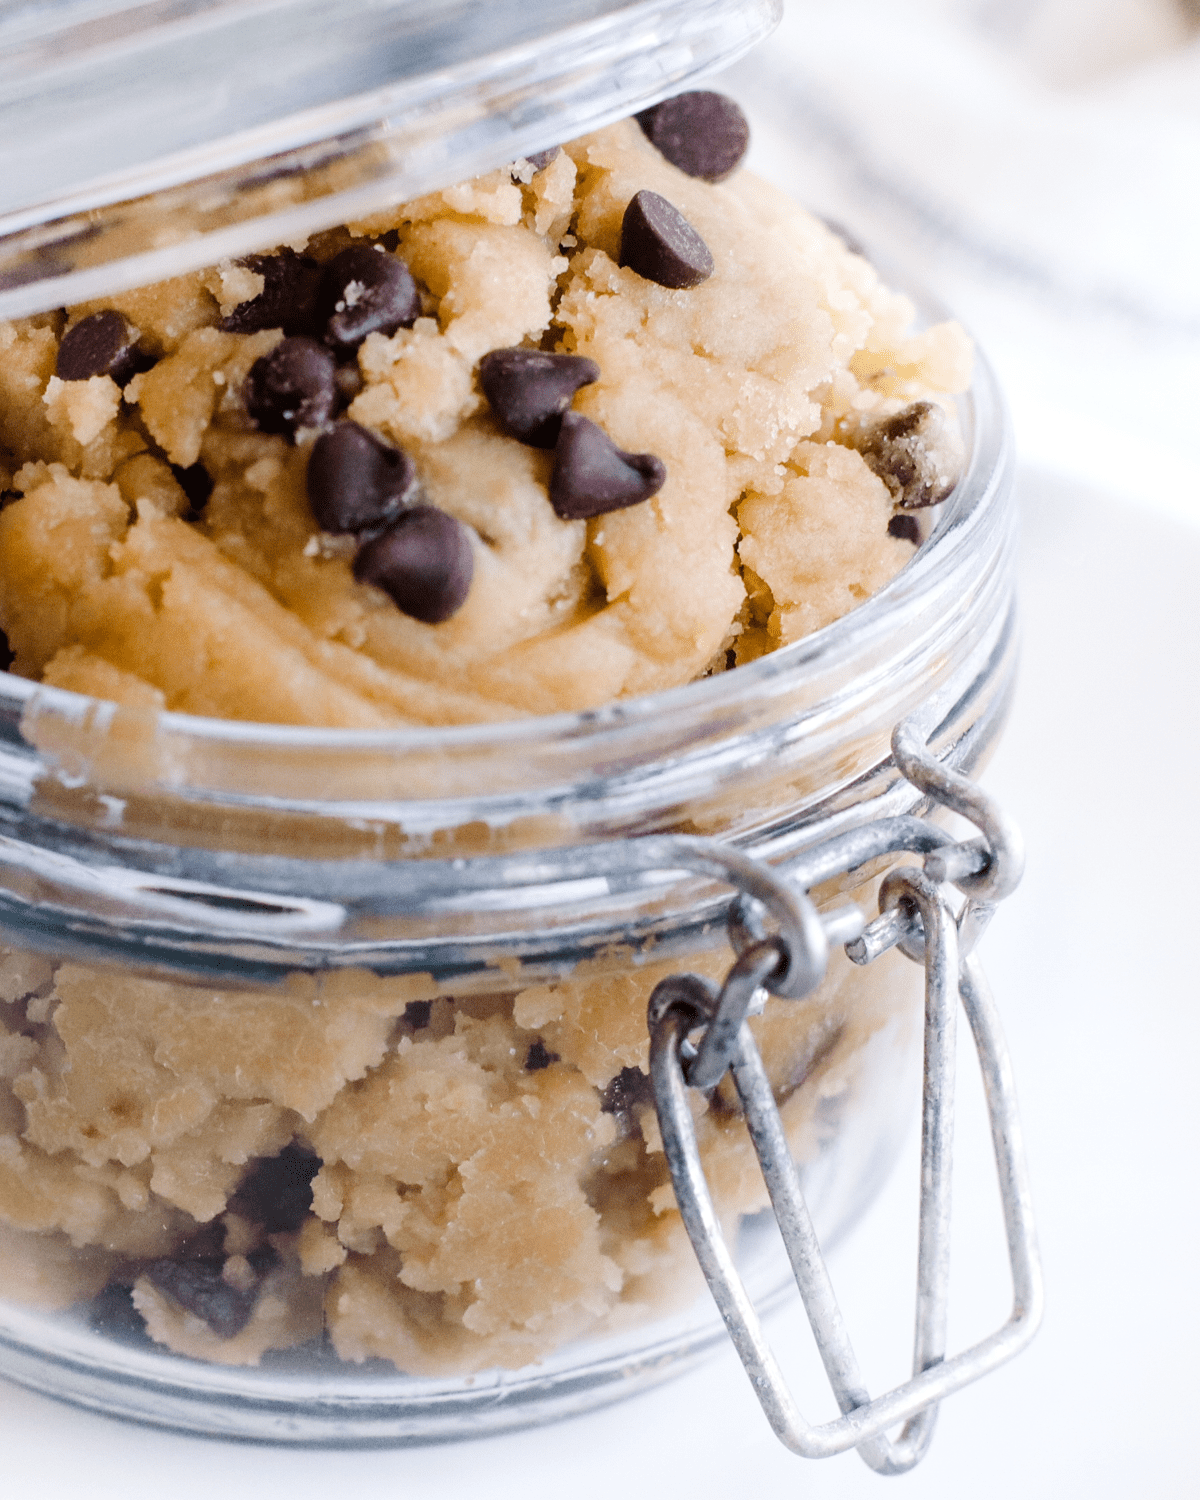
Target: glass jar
[(235, 952), (138, 142), (323, 1100)]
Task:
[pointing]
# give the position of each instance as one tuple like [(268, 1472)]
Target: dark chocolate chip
[(592, 476), (112, 1313), (424, 561), (293, 386), (268, 175), (658, 243), (417, 1013), (198, 1287), (263, 1259), (528, 391), (104, 343), (628, 1089), (35, 267), (197, 484), (538, 1057), (390, 240), (912, 456), (538, 160), (905, 528), (366, 290), (357, 482), (277, 1190), (702, 133), (6, 653), (906, 423), (289, 298)]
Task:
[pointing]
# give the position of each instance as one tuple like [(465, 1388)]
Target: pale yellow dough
[(752, 388), (473, 1207)]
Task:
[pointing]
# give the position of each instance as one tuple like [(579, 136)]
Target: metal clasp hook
[(916, 914)]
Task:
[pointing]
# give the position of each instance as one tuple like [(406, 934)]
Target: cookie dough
[(449, 1184), (590, 426), (760, 406)]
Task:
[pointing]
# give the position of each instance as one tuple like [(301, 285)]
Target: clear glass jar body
[(228, 941)]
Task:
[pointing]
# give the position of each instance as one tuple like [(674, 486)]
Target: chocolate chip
[(913, 455), (417, 1013), (538, 1057), (702, 133), (367, 291), (658, 243), (112, 1313), (628, 1089), (904, 424), (288, 300), (104, 343), (528, 391), (538, 160), (592, 476), (197, 484), (356, 481), (424, 562), (199, 1288), (35, 267), (293, 386), (905, 528), (6, 653), (270, 174), (277, 1190)]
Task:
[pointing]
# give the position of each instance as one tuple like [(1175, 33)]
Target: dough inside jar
[(521, 446), (164, 542)]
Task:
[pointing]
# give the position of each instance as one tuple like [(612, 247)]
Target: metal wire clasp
[(920, 913)]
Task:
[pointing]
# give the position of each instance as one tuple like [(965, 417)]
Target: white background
[(1038, 162)]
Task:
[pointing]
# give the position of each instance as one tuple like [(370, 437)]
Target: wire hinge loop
[(698, 1033)]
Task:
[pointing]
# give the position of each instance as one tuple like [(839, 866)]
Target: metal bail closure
[(916, 914)]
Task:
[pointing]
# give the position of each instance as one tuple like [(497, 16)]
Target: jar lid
[(142, 140)]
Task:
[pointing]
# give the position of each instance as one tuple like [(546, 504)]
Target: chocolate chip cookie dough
[(446, 1183), (586, 427), (593, 425)]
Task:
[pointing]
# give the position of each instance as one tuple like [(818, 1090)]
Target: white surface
[(1092, 966), (1037, 162)]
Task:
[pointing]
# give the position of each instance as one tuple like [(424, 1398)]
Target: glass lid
[(142, 140)]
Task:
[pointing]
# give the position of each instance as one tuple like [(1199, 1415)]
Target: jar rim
[(118, 839)]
